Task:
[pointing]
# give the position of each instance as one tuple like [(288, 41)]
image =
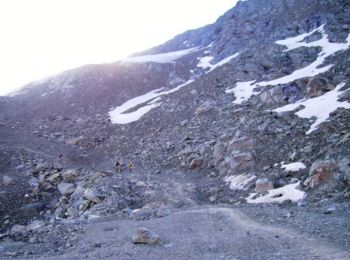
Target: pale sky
[(43, 37)]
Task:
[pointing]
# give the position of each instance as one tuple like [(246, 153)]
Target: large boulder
[(18, 232), (234, 154), (7, 180), (196, 163), (32, 209), (263, 185), (317, 86), (320, 172), (94, 195), (66, 189), (144, 236), (69, 175)]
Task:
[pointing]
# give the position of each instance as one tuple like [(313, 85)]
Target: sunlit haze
[(41, 37)]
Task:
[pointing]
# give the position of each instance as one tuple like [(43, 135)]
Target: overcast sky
[(43, 37)]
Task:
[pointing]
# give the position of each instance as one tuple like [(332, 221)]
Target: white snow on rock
[(239, 182), (242, 91), (318, 107), (166, 57), (313, 69), (293, 167), (147, 102), (204, 62), (279, 195)]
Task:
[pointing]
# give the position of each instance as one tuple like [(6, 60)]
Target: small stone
[(144, 236), (194, 92), (140, 184), (213, 198)]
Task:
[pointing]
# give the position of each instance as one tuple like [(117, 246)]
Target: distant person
[(60, 157), (117, 166), (130, 166)]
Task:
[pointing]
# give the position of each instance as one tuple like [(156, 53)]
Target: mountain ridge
[(251, 112)]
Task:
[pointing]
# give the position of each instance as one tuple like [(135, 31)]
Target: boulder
[(317, 86), (140, 184), (93, 195), (241, 144), (66, 188), (18, 232), (184, 123), (36, 224), (7, 180), (344, 166), (196, 163), (69, 175), (144, 236), (263, 185), (54, 177), (32, 209), (320, 172)]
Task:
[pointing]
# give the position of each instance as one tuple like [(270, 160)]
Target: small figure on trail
[(130, 166), (117, 166), (60, 157)]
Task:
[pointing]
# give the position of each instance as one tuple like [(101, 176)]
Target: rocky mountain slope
[(251, 112)]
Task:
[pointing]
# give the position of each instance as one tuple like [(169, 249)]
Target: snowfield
[(166, 57), (319, 107), (147, 102), (279, 195), (245, 90), (204, 62)]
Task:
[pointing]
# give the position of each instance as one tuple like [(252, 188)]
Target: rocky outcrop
[(235, 155)]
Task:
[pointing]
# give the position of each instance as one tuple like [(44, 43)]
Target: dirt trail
[(199, 233)]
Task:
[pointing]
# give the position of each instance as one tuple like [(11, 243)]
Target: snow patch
[(319, 107), (293, 167), (166, 57), (239, 182), (204, 62), (313, 69), (242, 91), (279, 195), (150, 100)]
